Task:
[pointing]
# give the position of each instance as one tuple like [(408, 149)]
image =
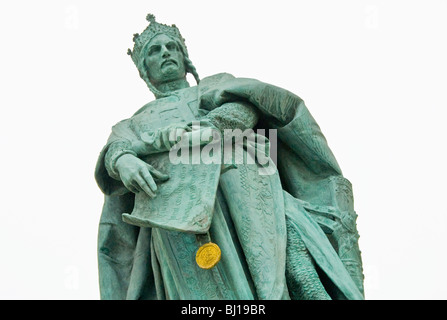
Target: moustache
[(169, 61)]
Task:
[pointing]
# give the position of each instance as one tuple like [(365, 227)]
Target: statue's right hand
[(137, 175)]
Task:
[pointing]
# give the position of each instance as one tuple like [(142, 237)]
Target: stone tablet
[(183, 203)]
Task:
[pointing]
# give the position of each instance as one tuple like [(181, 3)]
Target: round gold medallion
[(208, 255)]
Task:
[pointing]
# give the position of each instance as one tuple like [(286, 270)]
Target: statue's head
[(160, 55)]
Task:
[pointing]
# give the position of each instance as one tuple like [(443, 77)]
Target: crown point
[(135, 36), (150, 17), (129, 52)]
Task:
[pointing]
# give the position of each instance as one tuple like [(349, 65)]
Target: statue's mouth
[(168, 62)]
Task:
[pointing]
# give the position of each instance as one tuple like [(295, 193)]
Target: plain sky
[(372, 73)]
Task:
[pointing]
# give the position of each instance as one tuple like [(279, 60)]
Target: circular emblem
[(208, 255)]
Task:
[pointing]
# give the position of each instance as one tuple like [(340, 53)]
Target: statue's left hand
[(239, 89), (160, 140)]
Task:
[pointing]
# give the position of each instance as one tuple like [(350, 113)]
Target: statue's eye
[(154, 49), (171, 46)]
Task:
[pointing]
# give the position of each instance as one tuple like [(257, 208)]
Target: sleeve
[(116, 150), (282, 110), (241, 115), (118, 143)]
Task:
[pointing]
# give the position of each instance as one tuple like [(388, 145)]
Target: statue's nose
[(165, 52)]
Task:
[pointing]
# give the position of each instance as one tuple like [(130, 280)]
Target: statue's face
[(164, 60)]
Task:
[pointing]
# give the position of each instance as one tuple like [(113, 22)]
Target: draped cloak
[(254, 217)]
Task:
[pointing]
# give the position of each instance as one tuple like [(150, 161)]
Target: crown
[(154, 28)]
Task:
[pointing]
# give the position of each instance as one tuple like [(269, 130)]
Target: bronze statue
[(183, 228)]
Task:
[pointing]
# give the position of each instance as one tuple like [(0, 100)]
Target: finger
[(196, 138), (188, 128), (181, 132), (131, 188), (145, 187), (136, 185), (195, 127), (176, 134), (172, 134), (165, 139), (145, 173), (208, 100), (157, 174), (185, 141)]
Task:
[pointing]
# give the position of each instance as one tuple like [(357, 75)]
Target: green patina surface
[(286, 229)]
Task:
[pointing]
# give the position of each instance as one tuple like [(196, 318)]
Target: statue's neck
[(174, 85)]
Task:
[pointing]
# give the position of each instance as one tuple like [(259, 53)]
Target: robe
[(286, 235)]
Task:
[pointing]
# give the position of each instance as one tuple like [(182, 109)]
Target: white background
[(372, 73)]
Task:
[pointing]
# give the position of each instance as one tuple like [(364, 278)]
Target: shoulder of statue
[(205, 84), (144, 107), (223, 76)]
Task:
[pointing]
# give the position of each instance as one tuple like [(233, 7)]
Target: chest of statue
[(181, 107)]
